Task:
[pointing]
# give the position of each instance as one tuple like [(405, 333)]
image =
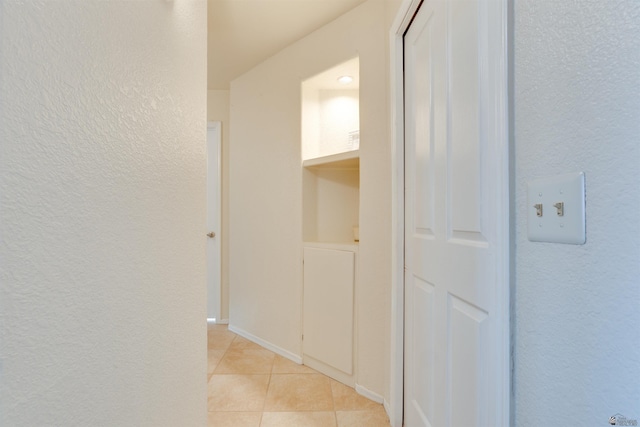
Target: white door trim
[(214, 296), (405, 14), (400, 25)]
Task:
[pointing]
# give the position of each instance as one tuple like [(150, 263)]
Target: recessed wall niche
[(330, 111), (330, 154), (331, 214)]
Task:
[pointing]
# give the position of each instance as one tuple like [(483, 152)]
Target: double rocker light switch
[(556, 209)]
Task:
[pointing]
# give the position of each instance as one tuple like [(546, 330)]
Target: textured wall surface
[(577, 108), (102, 208), (266, 190)]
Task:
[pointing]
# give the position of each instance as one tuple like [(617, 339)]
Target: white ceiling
[(243, 33)]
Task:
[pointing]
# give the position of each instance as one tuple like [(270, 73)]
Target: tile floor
[(250, 386)]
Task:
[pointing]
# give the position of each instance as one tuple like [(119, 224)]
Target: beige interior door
[(456, 216), (214, 199)]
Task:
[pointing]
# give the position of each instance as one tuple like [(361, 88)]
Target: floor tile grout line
[(217, 364), (333, 400), (225, 350), (264, 403)]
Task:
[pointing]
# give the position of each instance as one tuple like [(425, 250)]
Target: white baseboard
[(217, 322), (369, 394), (376, 398), (280, 351), (329, 371), (387, 409)]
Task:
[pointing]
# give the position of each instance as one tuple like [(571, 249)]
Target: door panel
[(422, 115), (467, 336), (464, 145), (328, 307), (455, 206), (423, 321)]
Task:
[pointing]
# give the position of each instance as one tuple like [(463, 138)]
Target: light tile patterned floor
[(250, 386)]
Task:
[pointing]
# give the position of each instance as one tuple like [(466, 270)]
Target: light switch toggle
[(538, 207), (565, 193), (560, 207)]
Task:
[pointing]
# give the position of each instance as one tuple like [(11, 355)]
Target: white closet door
[(328, 307), (456, 216)]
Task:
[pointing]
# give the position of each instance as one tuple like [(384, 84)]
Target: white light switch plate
[(570, 227)]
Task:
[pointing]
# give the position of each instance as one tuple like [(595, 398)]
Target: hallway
[(249, 386)]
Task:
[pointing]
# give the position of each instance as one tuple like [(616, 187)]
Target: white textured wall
[(102, 208), (218, 110), (577, 108), (266, 189)]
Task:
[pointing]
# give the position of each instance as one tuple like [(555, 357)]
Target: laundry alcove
[(331, 211)]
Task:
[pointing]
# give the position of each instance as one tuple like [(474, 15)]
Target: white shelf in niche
[(338, 246), (346, 160)]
